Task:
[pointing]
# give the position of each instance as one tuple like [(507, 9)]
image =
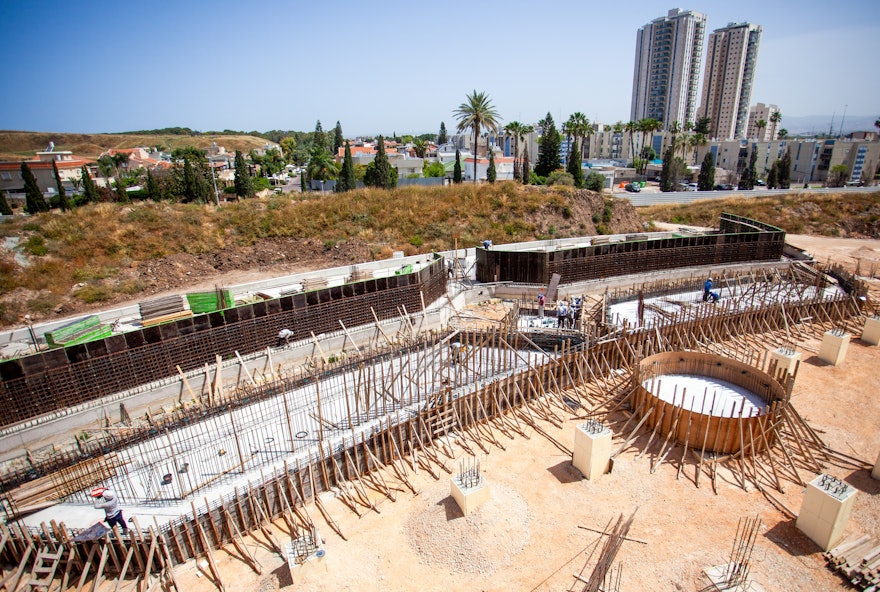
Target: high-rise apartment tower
[(667, 67), (727, 85)]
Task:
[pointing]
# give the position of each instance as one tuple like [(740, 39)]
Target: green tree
[(319, 138), (548, 151), (433, 169), (697, 141), (526, 173), (666, 182), (288, 147), (747, 181), (420, 147), (337, 138), (560, 178), (5, 210), (120, 159), (706, 178), (456, 171), (63, 203), (442, 138), (121, 193), (34, 202), (595, 182), (838, 175), (772, 176), (476, 113), (784, 171), (783, 133), (775, 119), (518, 131), (574, 165), (242, 182), (703, 126), (90, 191), (105, 167), (346, 180), (191, 187), (760, 125), (152, 188), (321, 165), (380, 173), (490, 172)]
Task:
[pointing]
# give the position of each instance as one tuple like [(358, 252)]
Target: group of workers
[(567, 315)]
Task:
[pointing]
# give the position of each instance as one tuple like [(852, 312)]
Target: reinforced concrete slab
[(696, 393)]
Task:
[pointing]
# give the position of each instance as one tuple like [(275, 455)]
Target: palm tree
[(674, 129), (631, 127), (775, 119), (877, 124), (581, 128), (617, 129), (695, 142), (420, 147), (760, 125), (475, 113), (783, 133), (516, 130)]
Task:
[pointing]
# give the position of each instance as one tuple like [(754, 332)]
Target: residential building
[(69, 169), (762, 112), (667, 67), (731, 58)]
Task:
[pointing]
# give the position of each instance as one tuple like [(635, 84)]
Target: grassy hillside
[(855, 215), (109, 252), (16, 145)]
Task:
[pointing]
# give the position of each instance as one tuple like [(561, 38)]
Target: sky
[(386, 66)]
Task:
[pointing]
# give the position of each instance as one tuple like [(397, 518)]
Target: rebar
[(469, 474)]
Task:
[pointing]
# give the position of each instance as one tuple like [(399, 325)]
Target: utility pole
[(214, 179)]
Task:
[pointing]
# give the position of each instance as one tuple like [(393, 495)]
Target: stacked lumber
[(202, 302), (310, 284), (858, 559), (167, 318), (49, 490), (80, 331), (160, 307)]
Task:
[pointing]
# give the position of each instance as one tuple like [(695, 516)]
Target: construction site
[(422, 423)]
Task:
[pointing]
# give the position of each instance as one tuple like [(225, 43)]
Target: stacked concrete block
[(469, 496), (592, 449), (834, 346), (871, 332), (825, 510), (785, 359)]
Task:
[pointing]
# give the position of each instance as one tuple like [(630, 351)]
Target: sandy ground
[(528, 536)]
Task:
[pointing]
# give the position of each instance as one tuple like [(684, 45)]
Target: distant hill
[(821, 124), (18, 145)]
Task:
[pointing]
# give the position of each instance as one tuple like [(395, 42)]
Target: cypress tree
[(379, 173), (526, 173), (5, 210), (772, 176), (442, 138), (748, 179), (121, 193), (548, 151), (456, 172), (90, 192), (319, 138), (666, 182), (337, 138), (244, 186), (347, 180), (152, 187), (574, 165), (706, 178), (783, 175), (34, 202), (490, 172), (302, 182), (63, 203)]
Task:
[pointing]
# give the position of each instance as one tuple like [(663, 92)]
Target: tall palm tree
[(695, 142), (877, 124), (516, 130), (760, 125), (674, 129), (617, 129), (631, 127), (581, 128), (775, 119), (475, 113)]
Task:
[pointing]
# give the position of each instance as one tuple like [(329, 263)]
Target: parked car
[(632, 187), (724, 187), (760, 183)]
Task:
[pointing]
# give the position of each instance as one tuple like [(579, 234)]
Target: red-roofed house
[(69, 169)]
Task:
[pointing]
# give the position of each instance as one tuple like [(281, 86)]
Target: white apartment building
[(731, 58), (667, 67), (762, 112)]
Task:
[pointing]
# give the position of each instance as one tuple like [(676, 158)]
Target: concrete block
[(469, 498), (825, 510), (785, 359), (592, 450), (834, 346), (876, 472), (871, 332)]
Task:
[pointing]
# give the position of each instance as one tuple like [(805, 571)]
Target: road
[(684, 197)]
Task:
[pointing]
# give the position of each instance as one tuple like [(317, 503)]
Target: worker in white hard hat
[(105, 499)]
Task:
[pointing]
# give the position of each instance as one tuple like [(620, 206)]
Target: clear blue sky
[(385, 66)]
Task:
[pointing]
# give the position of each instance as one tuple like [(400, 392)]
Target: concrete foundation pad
[(825, 510), (834, 347), (469, 498), (786, 360), (592, 450), (871, 332)]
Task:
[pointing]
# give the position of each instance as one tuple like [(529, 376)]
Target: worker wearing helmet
[(105, 499)]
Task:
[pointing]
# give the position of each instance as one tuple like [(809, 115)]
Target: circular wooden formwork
[(705, 431)]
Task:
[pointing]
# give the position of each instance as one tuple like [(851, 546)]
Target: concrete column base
[(833, 350), (876, 472), (592, 450), (825, 510), (469, 498), (788, 361), (871, 332)]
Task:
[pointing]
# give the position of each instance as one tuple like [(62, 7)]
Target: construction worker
[(541, 301), (562, 315), (105, 499), (284, 336), (707, 289)]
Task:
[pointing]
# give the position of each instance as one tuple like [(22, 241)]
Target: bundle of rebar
[(601, 575), (735, 575)]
